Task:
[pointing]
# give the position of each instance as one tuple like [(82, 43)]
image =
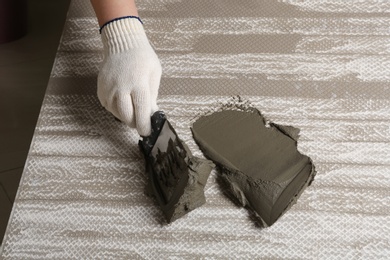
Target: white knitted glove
[(130, 74)]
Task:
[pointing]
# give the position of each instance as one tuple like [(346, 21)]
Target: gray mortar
[(193, 194), (259, 159)]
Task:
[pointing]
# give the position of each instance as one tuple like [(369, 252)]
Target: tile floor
[(25, 67)]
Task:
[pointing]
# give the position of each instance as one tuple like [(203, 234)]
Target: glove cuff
[(122, 35)]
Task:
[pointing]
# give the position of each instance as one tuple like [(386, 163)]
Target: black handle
[(147, 143)]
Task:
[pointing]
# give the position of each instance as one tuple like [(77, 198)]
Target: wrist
[(119, 18), (107, 10)]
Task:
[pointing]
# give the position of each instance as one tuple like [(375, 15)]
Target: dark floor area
[(25, 67)]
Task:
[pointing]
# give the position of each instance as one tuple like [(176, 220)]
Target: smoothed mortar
[(260, 162)]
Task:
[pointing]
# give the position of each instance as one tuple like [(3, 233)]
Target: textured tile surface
[(323, 66)]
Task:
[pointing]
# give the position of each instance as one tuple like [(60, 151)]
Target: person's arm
[(108, 10), (129, 77)]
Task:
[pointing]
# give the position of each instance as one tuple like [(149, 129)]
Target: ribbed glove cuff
[(122, 35)]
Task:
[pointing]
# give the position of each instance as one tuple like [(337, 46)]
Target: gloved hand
[(130, 74)]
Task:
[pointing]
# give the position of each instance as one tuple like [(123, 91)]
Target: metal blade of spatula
[(166, 163)]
